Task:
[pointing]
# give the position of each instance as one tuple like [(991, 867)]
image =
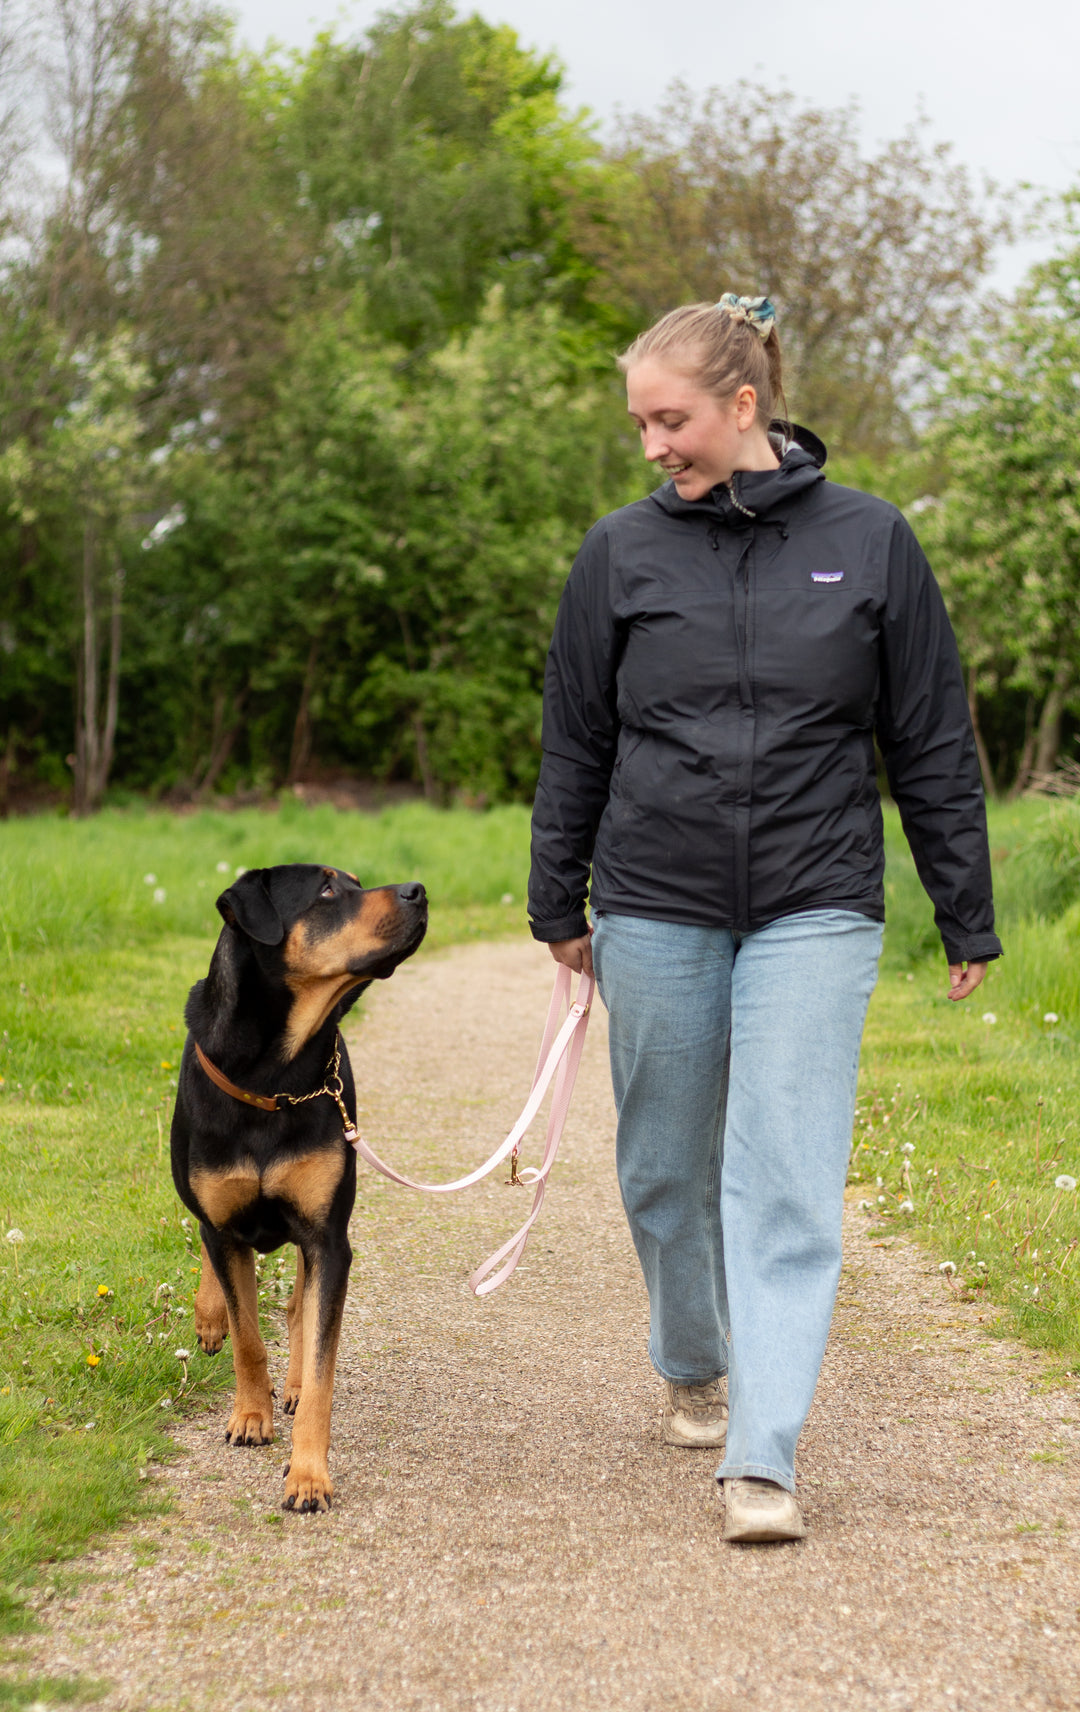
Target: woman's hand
[(964, 978), (575, 953)]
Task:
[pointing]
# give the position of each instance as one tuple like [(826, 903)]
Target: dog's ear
[(248, 905)]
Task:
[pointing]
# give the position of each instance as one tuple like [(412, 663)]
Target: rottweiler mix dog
[(261, 1135)]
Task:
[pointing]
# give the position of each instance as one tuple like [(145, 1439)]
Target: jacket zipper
[(745, 765)]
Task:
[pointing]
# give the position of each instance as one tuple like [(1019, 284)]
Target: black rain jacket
[(718, 673)]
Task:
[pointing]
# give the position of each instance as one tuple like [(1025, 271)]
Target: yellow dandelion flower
[(103, 1290), (93, 1360)]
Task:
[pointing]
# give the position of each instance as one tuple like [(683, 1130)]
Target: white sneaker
[(695, 1416), (761, 1510)]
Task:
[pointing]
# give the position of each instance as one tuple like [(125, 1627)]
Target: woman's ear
[(746, 407)]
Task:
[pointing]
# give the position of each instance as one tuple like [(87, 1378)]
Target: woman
[(724, 654)]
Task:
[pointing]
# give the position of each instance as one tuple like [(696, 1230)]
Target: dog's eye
[(328, 890)]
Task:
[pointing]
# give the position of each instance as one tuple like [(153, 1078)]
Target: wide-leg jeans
[(734, 1060)]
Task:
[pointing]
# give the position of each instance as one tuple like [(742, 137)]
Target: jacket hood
[(763, 493)]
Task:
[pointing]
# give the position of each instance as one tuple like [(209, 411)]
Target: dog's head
[(320, 933)]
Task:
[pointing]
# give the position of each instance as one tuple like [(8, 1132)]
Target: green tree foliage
[(433, 156), (1005, 531)]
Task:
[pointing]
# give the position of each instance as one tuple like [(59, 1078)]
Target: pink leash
[(560, 1055)]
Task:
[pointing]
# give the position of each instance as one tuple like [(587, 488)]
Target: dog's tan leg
[(307, 1479), (252, 1419), (211, 1314), (294, 1317)]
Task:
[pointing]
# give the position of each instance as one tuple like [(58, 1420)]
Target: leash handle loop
[(560, 1055)]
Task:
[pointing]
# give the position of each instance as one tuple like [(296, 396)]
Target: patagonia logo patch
[(826, 576)]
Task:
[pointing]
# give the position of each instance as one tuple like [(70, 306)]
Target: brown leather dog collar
[(332, 1087), (265, 1102)]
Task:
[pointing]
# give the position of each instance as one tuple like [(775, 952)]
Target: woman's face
[(699, 440)]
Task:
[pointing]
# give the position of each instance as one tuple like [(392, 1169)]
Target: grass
[(103, 927)]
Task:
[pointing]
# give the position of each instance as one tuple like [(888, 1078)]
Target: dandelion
[(1050, 1016), (223, 867), (911, 977), (988, 1016), (149, 879), (166, 1064), (159, 894), (1065, 1181), (15, 1236), (881, 1200), (183, 1355), (240, 871), (93, 1359), (89, 1426), (165, 1402), (507, 898), (948, 1267), (981, 1264), (907, 1206), (908, 1147), (103, 1290), (866, 1206)]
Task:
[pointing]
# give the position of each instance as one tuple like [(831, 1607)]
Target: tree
[(80, 482), (434, 155), (741, 190), (1005, 531)]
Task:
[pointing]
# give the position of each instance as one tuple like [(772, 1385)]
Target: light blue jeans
[(734, 1061)]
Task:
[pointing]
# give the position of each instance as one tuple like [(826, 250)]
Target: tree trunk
[(86, 729), (300, 754), (1027, 753), (94, 741), (1048, 736), (989, 783), (7, 769), (222, 739)]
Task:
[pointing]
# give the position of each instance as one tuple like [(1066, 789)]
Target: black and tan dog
[(260, 1149)]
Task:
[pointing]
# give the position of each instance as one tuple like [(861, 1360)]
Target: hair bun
[(757, 311)]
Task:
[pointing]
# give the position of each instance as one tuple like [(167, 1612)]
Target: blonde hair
[(720, 349)]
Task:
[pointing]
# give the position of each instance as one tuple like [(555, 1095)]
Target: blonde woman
[(724, 655)]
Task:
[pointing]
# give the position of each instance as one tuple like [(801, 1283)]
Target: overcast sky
[(998, 80)]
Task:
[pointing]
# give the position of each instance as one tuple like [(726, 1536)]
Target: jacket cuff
[(972, 948), (574, 926)]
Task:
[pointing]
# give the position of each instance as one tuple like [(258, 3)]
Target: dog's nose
[(412, 892)]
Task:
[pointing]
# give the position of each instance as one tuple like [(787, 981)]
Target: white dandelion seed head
[(866, 1206), (159, 894), (223, 868), (948, 1267), (507, 898), (908, 1147), (1064, 1181), (240, 871), (907, 1206), (149, 879), (881, 1200), (183, 1355), (1050, 1016), (988, 1016), (15, 1236)]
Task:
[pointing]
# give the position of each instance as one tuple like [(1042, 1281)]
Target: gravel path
[(509, 1534)]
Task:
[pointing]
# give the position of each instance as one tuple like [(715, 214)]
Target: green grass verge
[(103, 927)]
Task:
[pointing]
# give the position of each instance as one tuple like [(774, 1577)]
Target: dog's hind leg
[(252, 1418), (294, 1318), (307, 1478), (211, 1314)]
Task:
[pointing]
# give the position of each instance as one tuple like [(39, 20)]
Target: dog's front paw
[(307, 1487), (290, 1396), (251, 1426), (211, 1331)]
